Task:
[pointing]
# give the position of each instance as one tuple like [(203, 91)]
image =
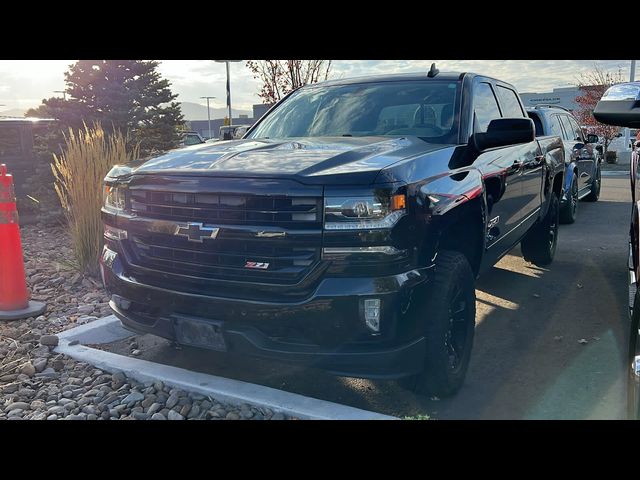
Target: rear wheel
[(539, 244), (569, 210), (448, 312), (594, 194)]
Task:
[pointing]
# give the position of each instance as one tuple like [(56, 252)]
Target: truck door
[(502, 170), (586, 160), (528, 154)]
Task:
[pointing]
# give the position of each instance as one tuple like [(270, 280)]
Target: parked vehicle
[(231, 132), (582, 164), (620, 105), (191, 138), (344, 231)]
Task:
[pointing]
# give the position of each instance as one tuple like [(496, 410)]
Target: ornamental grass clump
[(79, 171)]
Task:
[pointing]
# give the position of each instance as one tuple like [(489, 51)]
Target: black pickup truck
[(345, 230)]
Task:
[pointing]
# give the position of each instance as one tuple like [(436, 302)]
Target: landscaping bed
[(37, 384)]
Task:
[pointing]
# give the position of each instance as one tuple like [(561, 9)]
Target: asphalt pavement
[(549, 342)]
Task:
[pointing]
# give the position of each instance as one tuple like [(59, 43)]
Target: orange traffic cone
[(14, 297)]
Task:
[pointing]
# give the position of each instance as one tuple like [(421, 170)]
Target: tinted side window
[(554, 126), (577, 131), (509, 102), (568, 129), (485, 107)]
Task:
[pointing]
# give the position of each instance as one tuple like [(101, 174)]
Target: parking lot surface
[(549, 342)]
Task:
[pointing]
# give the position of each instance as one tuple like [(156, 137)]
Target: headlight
[(363, 213), (113, 197)]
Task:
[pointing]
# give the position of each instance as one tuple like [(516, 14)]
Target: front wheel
[(448, 318), (594, 194), (539, 244)]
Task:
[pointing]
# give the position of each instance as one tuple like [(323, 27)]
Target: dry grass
[(79, 171)]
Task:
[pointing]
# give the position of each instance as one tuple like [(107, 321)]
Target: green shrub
[(79, 171)]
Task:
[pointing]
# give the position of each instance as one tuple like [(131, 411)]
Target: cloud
[(24, 83)]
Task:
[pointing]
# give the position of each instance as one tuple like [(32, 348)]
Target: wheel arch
[(463, 230)]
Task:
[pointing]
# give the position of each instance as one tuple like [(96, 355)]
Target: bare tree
[(593, 84), (279, 77)]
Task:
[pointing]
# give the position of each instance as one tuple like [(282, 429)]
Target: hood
[(309, 160)]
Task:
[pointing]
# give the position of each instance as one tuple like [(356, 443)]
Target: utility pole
[(209, 114), (64, 94), (228, 88)]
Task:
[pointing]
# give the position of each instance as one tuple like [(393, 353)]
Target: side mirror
[(620, 105), (592, 138), (502, 132)]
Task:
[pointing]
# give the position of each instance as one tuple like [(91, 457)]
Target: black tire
[(569, 210), (448, 315), (539, 244), (633, 380), (594, 194)]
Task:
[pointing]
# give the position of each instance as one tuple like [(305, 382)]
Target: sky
[(24, 83)]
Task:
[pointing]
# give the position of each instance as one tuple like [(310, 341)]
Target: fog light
[(372, 313)]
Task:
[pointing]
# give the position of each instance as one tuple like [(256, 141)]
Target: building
[(202, 126), (562, 97)]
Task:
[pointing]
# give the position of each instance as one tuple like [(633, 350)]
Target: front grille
[(280, 232), (222, 259), (227, 208)]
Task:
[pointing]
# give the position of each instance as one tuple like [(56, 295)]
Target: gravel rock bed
[(38, 384)]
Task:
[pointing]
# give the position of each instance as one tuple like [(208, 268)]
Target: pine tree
[(125, 95)]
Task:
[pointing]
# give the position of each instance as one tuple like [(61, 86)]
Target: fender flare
[(569, 173), (445, 200)]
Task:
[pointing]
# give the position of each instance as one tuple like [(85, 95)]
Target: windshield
[(425, 109)]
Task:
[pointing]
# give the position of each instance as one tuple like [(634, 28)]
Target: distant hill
[(19, 112), (195, 111), (190, 110)]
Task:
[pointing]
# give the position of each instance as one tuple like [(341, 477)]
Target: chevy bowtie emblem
[(196, 232)]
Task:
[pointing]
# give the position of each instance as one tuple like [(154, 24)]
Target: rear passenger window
[(485, 107), (509, 102), (554, 126)]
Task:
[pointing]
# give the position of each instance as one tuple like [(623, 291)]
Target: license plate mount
[(200, 333)]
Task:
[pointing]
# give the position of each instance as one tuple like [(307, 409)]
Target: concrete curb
[(235, 392)]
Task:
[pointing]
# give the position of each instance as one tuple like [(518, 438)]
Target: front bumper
[(325, 330)]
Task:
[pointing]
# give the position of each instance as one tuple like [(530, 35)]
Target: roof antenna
[(433, 71)]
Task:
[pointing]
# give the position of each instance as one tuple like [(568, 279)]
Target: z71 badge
[(259, 265)]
